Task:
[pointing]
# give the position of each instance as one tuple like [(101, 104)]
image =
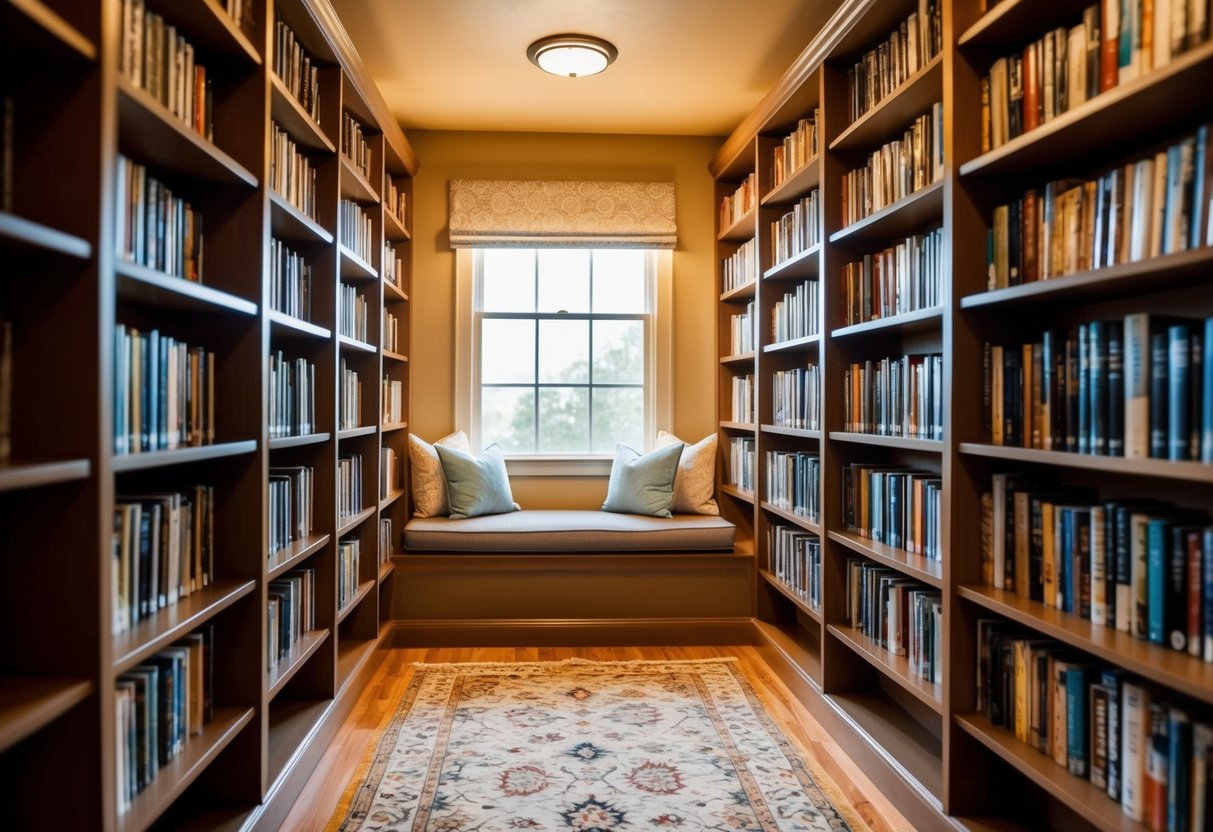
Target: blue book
[(1195, 232), (1078, 680), (1179, 770), (1179, 405), (1084, 388), (1160, 388), (1067, 560), (1097, 387), (1158, 548), (1206, 367), (1170, 222)]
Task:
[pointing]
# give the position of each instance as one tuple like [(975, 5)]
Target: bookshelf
[(77, 105), (927, 744)]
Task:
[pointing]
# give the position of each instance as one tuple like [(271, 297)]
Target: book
[(1135, 739)]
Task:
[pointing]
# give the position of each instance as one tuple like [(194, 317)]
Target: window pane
[(619, 284), (564, 420), (509, 280), (507, 352), (618, 417), (618, 352), (507, 417), (564, 352), (564, 280)]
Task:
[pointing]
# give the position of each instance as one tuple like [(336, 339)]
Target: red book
[(1195, 596), (1031, 86), (1109, 66)]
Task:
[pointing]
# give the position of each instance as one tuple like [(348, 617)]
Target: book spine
[(1137, 386), (1179, 388), (1116, 390), (1159, 398), (1158, 557)]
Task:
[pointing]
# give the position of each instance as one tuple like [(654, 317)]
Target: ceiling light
[(573, 56)]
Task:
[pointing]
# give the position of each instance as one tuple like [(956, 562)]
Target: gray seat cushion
[(569, 531)]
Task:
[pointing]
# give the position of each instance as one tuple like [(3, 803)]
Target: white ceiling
[(689, 67)]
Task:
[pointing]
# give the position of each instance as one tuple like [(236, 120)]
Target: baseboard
[(588, 632)]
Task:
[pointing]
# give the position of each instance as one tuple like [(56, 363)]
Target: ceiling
[(685, 67)]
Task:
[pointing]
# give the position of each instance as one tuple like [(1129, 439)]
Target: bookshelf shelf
[(1169, 667), (1090, 802), (793, 518), (399, 358), (1155, 104), (33, 25), (174, 778), (300, 652), (385, 569), (915, 752), (904, 217), (354, 267), (148, 286), (890, 117), (907, 323), (741, 294), (794, 345), (354, 433), (799, 184), (180, 456), (149, 132), (393, 293), (364, 590), (208, 25), (284, 325), (289, 223), (158, 631), (894, 667), (798, 433), (281, 442), (352, 654), (391, 498), (354, 185), (287, 559), (348, 343), (29, 705), (906, 443), (798, 267), (290, 724), (920, 568), (743, 229), (739, 358), (15, 476), (1013, 22), (291, 116), (351, 523), (748, 427), (18, 233), (393, 426), (786, 591), (797, 649), (393, 228), (737, 493), (1161, 468)]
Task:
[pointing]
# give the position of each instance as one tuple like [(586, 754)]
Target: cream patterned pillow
[(429, 483), (695, 482)]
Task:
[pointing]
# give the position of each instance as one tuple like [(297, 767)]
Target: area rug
[(586, 746)]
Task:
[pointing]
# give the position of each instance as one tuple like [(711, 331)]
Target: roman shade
[(559, 214)]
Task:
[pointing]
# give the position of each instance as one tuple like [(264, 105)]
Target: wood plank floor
[(376, 705)]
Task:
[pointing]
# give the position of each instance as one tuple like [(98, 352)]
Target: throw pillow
[(429, 483), (642, 484), (695, 482), (476, 485)]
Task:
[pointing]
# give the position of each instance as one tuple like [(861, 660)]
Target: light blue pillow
[(476, 485), (643, 484)]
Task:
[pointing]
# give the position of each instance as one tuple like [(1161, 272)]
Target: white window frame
[(658, 381)]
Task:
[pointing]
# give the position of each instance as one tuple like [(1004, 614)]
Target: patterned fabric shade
[(491, 212)]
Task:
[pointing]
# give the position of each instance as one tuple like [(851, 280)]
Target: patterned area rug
[(586, 746)]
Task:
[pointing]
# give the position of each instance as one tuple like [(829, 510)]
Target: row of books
[(290, 612), (884, 68), (391, 332), (158, 705), (895, 506), (902, 278), (393, 266), (292, 403), (290, 281), (349, 485), (292, 510), (797, 149), (1158, 204), (395, 200), (741, 202), (896, 169), (240, 12), (156, 58), (153, 227), (291, 172), (164, 392), (740, 268), (795, 557), (356, 231), (741, 463), (793, 480), (393, 401), (1126, 736), (389, 474), (798, 230), (348, 553), (385, 540), (1116, 42), (162, 551), (741, 331), (796, 398), (354, 144), (900, 614), (1139, 565), (352, 313), (743, 399), (797, 314), (350, 415), (297, 70), (895, 396), (1138, 388)]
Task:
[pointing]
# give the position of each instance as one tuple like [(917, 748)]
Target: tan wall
[(477, 155)]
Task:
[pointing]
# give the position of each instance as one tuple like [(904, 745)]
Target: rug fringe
[(574, 660)]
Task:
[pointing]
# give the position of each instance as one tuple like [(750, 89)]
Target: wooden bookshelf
[(21, 476), (288, 325), (799, 184), (916, 566), (29, 705), (289, 665), (36, 27), (793, 518), (140, 284), (797, 267), (793, 344), (905, 216), (786, 591), (893, 666), (799, 433), (906, 323), (897, 109), (17, 233)]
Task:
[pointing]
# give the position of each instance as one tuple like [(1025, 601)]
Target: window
[(563, 350)]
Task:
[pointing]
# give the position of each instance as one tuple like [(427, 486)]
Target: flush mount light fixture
[(573, 56)]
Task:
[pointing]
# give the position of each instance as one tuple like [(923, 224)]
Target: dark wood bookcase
[(64, 288), (926, 745)]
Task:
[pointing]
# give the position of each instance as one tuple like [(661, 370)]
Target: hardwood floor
[(377, 703)]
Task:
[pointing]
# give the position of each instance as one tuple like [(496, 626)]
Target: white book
[(1134, 724), (1162, 33), (1158, 204)]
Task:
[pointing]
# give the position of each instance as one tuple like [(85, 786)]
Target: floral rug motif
[(584, 746)]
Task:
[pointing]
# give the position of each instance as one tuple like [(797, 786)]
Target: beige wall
[(475, 155)]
